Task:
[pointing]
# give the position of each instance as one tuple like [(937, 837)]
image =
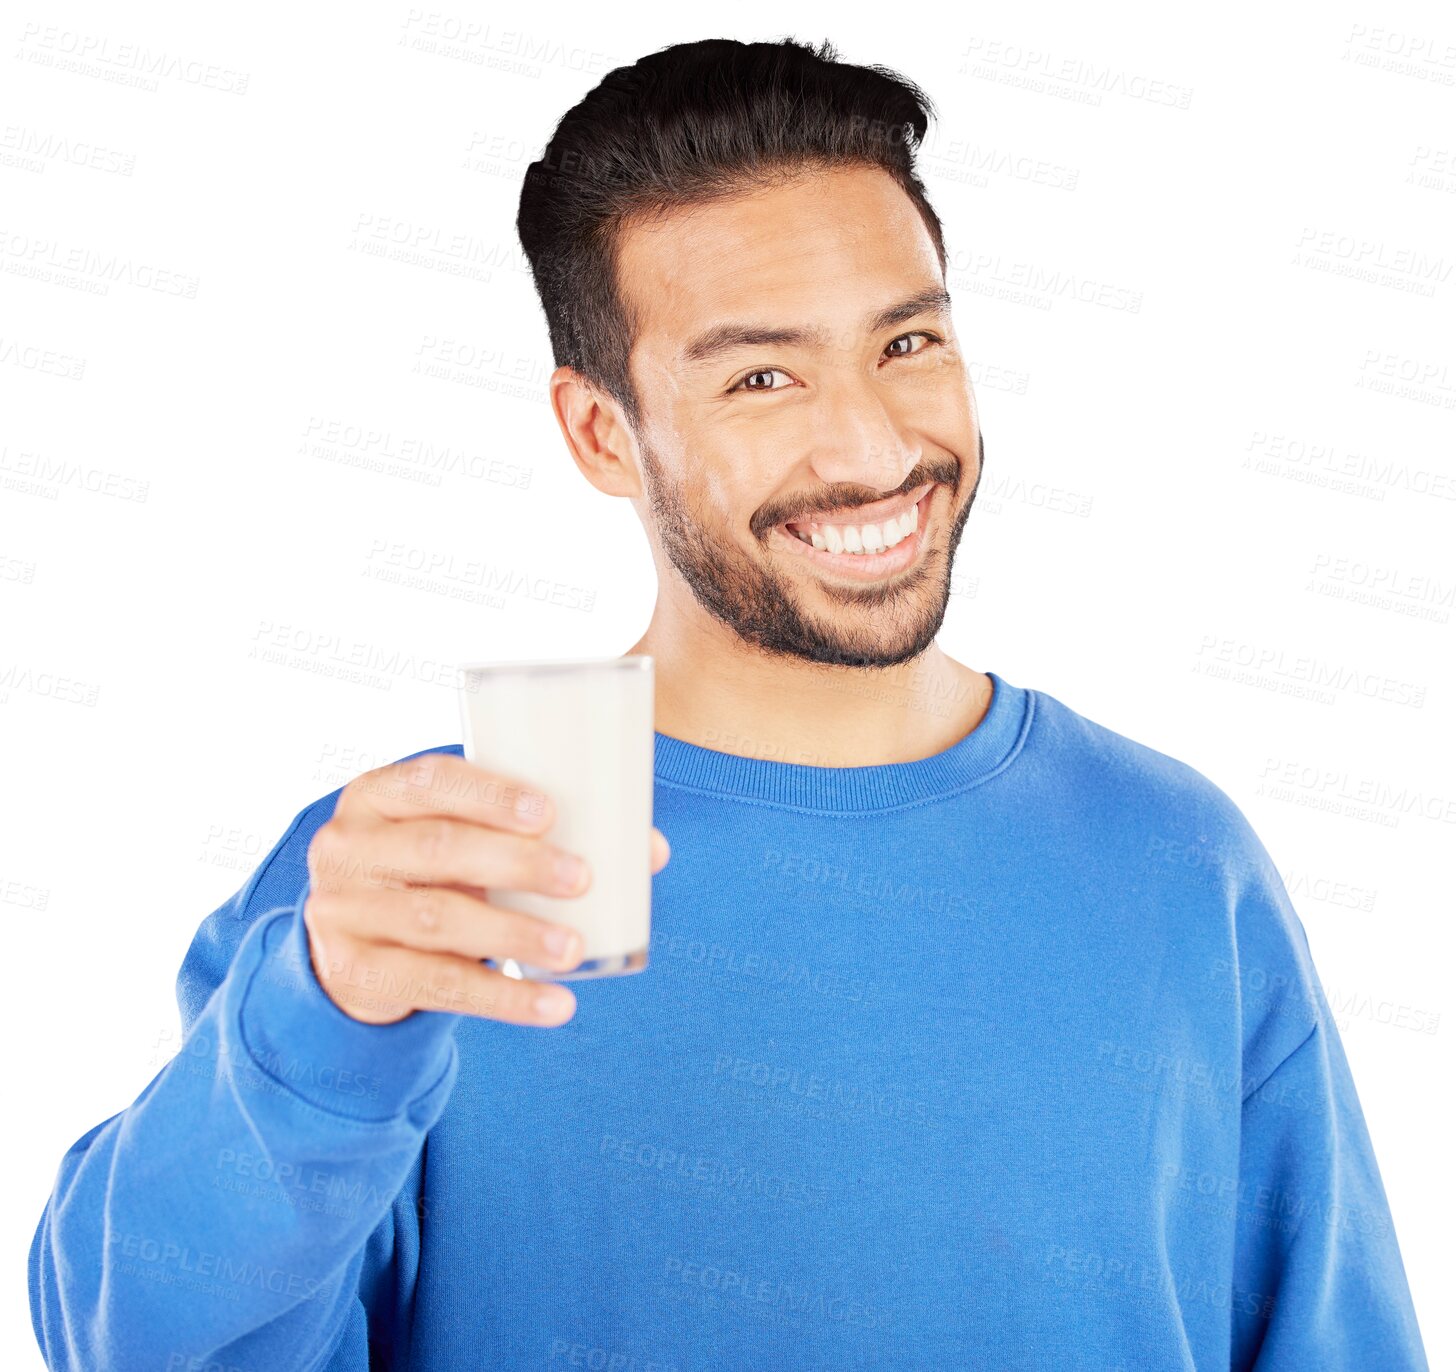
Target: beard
[(879, 624)]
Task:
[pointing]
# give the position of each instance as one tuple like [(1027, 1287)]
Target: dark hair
[(688, 124)]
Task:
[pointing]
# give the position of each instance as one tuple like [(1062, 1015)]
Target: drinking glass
[(581, 731)]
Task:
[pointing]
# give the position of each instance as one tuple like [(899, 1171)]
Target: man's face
[(748, 441)]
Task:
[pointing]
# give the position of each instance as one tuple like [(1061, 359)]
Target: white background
[(1205, 269)]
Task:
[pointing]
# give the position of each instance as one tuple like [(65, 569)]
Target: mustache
[(848, 496)]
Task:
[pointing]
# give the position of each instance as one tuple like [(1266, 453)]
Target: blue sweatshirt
[(1013, 1057)]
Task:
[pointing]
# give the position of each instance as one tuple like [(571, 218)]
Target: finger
[(381, 983), (660, 851), (440, 851), (441, 783), (444, 920)]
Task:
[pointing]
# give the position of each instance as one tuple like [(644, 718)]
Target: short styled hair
[(686, 125)]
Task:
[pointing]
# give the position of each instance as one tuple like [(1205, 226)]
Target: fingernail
[(569, 871), (530, 805), (558, 940), (551, 1002)]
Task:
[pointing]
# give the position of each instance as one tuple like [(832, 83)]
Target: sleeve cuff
[(297, 1036)]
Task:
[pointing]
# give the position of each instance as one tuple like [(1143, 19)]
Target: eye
[(742, 384), (919, 333)]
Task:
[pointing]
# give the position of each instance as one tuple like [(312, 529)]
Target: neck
[(714, 690)]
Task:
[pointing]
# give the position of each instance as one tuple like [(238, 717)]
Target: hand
[(398, 912)]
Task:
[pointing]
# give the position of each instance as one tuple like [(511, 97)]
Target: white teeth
[(863, 538)]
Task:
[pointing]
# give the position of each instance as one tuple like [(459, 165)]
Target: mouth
[(866, 544)]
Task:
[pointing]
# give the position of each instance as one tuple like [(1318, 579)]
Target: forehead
[(821, 248)]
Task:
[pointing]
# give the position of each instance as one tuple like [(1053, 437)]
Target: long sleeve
[(1319, 1281), (250, 1205)]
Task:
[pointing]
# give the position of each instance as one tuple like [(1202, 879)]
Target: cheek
[(945, 386), (757, 456), (711, 491), (731, 476), (945, 412)]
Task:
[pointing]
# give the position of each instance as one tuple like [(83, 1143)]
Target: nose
[(860, 439)]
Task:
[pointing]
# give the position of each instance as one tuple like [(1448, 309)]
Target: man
[(974, 1034)]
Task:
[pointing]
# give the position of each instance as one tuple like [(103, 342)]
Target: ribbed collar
[(991, 745)]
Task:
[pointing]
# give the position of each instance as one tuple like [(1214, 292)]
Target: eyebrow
[(723, 338)]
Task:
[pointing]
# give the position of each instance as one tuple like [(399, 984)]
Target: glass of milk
[(581, 731)]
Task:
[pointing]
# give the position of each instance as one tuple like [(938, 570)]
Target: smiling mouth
[(871, 541)]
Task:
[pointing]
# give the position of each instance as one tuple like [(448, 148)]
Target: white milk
[(582, 732)]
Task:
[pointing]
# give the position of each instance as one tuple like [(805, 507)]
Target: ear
[(597, 434)]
